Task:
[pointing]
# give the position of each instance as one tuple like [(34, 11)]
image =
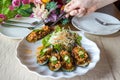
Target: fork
[(11, 21), (36, 24), (105, 23)]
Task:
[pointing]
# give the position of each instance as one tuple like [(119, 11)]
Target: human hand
[(83, 7)]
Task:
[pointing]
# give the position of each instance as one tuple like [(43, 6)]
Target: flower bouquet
[(47, 10)]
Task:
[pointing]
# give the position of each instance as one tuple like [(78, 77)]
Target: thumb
[(71, 6)]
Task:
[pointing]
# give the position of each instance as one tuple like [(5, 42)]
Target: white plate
[(17, 32), (90, 25), (26, 54)]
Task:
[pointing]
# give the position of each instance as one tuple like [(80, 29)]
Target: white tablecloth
[(10, 67)]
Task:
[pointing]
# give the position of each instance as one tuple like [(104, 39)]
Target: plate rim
[(17, 37), (93, 32)]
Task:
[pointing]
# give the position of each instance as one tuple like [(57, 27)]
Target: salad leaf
[(78, 39), (45, 40), (57, 47), (57, 28), (43, 51)]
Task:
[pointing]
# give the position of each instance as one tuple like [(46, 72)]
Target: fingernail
[(67, 15)]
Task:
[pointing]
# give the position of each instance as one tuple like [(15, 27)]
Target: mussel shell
[(56, 69), (45, 62), (68, 70), (83, 65)]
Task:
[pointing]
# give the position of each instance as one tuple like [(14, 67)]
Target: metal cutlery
[(33, 25), (105, 23), (11, 21), (10, 24), (59, 18)]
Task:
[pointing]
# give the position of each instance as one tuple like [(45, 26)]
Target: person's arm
[(83, 7)]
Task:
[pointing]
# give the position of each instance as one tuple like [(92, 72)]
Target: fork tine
[(101, 22)]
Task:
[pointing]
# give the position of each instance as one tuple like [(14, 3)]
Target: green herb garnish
[(81, 54), (78, 39), (57, 29), (57, 47), (43, 51), (53, 59), (67, 59), (36, 30)]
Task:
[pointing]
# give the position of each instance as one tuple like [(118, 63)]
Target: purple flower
[(25, 1), (11, 7), (18, 16), (2, 17), (32, 15), (16, 3), (38, 1), (53, 17)]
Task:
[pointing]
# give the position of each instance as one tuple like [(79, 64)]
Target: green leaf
[(45, 40), (1, 4), (36, 30), (26, 6), (78, 39), (57, 28), (65, 21), (67, 1), (42, 53), (58, 47), (4, 8), (51, 5), (23, 12), (29, 10), (82, 55)]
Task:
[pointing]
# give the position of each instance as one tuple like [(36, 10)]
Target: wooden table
[(108, 68)]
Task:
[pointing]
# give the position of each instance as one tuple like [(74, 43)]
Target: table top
[(108, 68)]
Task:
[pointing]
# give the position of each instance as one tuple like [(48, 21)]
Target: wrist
[(102, 3)]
